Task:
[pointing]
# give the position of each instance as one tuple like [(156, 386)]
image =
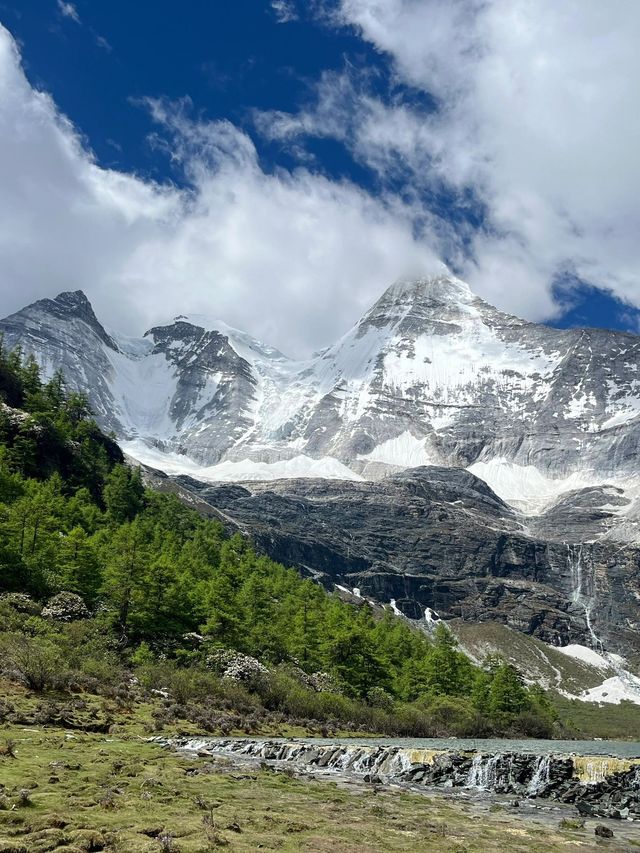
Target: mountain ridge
[(431, 374)]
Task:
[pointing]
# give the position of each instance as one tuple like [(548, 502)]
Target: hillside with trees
[(107, 586)]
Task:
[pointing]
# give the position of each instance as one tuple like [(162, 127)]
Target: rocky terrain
[(616, 794), (435, 543), (431, 375)]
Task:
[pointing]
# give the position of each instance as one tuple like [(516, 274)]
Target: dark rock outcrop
[(617, 796), (439, 538)]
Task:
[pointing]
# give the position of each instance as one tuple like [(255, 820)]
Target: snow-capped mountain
[(431, 379), (431, 375)]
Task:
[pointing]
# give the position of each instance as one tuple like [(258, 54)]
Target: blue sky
[(228, 58), (340, 144)]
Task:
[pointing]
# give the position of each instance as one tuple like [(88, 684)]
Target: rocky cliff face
[(437, 542)]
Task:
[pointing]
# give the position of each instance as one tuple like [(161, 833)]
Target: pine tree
[(354, 660), (507, 694), (123, 494), (55, 390), (305, 626), (78, 567), (449, 671), (123, 571)]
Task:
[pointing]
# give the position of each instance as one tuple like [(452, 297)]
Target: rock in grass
[(66, 607)]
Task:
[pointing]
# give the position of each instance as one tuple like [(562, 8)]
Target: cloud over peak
[(500, 135), (291, 256), (536, 119)]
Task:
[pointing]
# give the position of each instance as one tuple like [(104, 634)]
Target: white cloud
[(290, 256), (537, 116), (68, 10), (284, 10), (102, 42)]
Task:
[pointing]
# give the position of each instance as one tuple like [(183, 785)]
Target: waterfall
[(541, 776), (483, 772), (526, 774), (583, 582), (477, 774), (594, 769)]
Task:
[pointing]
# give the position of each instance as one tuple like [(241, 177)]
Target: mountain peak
[(243, 343), (73, 304), (443, 287), (434, 297), (73, 299)]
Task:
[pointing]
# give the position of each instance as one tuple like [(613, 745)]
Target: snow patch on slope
[(143, 388), (623, 686), (524, 486), (585, 654), (299, 466), (614, 690), (405, 451)]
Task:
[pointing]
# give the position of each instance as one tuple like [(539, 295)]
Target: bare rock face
[(439, 539), (431, 375)]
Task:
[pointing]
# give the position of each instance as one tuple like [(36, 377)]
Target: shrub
[(449, 714), (21, 602), (66, 607), (532, 723), (36, 660), (377, 697), (183, 684)]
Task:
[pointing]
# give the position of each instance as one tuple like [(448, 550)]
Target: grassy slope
[(551, 668), (539, 661), (117, 792)]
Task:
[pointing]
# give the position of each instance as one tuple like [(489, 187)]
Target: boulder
[(603, 831), (66, 607), (238, 667)]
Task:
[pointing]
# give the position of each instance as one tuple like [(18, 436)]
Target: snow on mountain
[(431, 375), (246, 470)]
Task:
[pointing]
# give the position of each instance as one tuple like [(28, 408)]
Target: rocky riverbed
[(565, 779)]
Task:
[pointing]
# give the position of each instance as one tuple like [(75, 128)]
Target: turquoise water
[(615, 748)]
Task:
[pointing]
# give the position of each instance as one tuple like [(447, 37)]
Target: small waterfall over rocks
[(516, 773), (564, 778), (541, 779), (504, 773)]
